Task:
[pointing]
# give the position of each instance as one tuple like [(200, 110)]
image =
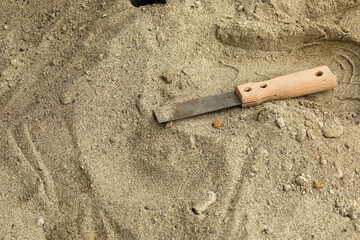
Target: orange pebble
[(318, 185), (216, 124)]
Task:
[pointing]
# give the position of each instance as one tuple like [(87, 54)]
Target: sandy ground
[(82, 156)]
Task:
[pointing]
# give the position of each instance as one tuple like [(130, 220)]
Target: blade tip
[(159, 118)]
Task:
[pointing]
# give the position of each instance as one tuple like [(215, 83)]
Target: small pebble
[(352, 214), (343, 212), (301, 135), (340, 174), (13, 62), (201, 206), (310, 133), (141, 106), (287, 187), (333, 130), (65, 99), (40, 221), (216, 124), (168, 77), (323, 161), (318, 186), (138, 47), (301, 180), (280, 122)]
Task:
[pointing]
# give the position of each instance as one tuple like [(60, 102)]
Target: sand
[(82, 156)]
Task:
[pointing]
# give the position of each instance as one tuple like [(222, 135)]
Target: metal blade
[(196, 107)]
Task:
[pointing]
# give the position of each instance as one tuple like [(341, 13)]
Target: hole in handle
[(264, 85), (248, 89), (319, 73)]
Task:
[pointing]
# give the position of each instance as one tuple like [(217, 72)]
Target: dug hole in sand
[(82, 156)]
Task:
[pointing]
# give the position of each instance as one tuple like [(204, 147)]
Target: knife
[(251, 94)]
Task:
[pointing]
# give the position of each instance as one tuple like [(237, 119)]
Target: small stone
[(340, 174), (343, 212), (240, 8), (287, 187), (318, 185), (203, 204), (301, 180), (323, 160), (168, 77), (216, 124), (13, 62), (333, 130), (40, 221), (280, 122), (352, 214), (310, 133), (65, 99), (300, 135), (141, 106)]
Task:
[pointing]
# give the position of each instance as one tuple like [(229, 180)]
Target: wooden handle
[(287, 86)]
